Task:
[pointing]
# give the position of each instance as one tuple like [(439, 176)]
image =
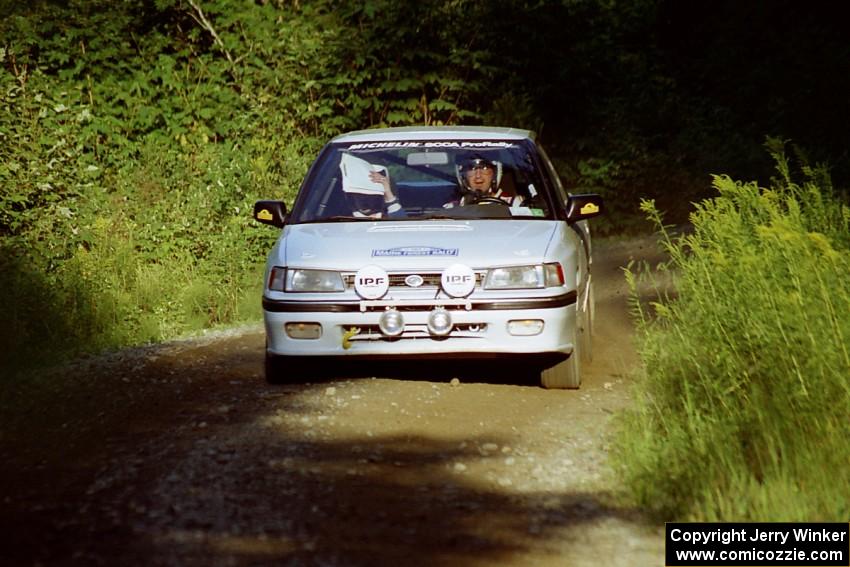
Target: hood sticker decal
[(415, 251)]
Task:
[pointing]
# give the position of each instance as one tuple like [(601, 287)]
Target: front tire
[(276, 370), (564, 375), (567, 373), (287, 369), (585, 326)]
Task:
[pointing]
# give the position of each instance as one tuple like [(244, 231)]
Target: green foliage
[(743, 410)]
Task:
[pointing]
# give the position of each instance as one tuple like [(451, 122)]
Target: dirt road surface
[(180, 454)]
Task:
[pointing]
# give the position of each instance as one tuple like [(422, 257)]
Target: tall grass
[(744, 410), (108, 295), (165, 247)]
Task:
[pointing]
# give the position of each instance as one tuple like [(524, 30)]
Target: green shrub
[(743, 410)]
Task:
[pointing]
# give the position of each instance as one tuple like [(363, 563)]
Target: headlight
[(299, 280), (525, 277), (514, 277), (313, 280)]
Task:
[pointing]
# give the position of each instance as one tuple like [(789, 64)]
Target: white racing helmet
[(466, 162)]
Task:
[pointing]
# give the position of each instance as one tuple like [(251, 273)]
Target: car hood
[(422, 244)]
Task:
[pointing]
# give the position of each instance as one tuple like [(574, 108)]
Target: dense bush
[(743, 410)]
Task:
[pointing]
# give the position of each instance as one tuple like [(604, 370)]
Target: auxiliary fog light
[(303, 330), (525, 327), (439, 322), (391, 323)]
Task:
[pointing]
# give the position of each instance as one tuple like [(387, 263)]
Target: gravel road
[(180, 454)]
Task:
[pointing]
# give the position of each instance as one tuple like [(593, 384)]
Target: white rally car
[(431, 242)]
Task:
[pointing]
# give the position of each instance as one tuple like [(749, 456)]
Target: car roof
[(434, 133)]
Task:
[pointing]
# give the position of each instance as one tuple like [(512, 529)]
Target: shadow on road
[(284, 490), (516, 372), (318, 504)]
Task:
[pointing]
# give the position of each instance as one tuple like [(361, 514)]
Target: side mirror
[(270, 212), (585, 206)]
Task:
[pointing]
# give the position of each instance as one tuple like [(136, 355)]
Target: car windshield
[(417, 180)]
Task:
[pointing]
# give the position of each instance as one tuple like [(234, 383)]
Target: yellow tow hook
[(346, 343)]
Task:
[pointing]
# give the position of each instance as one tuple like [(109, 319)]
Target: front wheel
[(585, 326), (276, 369), (567, 373), (286, 369), (564, 375)]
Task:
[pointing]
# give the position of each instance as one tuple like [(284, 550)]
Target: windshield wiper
[(433, 217), (342, 218)]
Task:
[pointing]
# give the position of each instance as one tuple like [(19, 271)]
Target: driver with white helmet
[(479, 180)]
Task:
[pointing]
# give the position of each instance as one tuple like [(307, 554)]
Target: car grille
[(398, 280)]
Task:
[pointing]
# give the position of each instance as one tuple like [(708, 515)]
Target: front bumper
[(479, 327)]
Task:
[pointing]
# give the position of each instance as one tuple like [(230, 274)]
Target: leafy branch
[(205, 23)]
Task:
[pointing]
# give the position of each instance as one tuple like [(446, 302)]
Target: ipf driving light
[(439, 322), (391, 323)]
